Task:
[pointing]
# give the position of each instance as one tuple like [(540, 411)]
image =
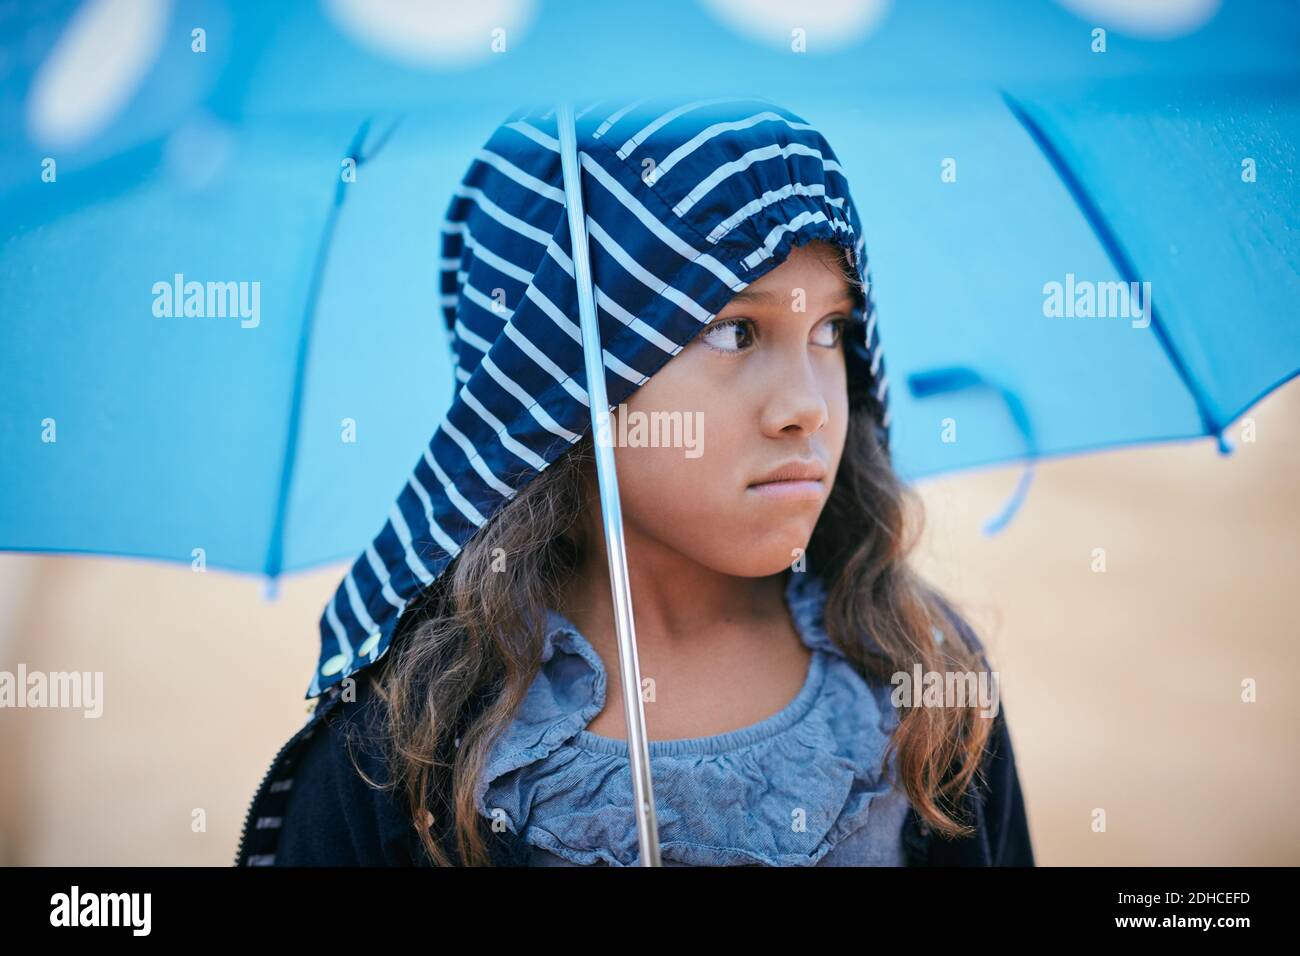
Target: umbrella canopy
[(1007, 177), (247, 443)]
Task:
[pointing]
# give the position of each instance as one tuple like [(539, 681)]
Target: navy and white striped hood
[(687, 204)]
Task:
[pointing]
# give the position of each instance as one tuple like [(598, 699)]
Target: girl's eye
[(829, 332), (736, 335), (727, 336)]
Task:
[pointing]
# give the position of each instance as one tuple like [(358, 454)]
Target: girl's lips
[(802, 490)]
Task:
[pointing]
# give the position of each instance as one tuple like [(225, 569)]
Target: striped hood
[(687, 204)]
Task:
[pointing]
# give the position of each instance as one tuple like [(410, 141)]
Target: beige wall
[(1123, 688)]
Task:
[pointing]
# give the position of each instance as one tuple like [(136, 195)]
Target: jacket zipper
[(322, 708)]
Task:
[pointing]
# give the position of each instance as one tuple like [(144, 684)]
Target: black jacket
[(313, 809)]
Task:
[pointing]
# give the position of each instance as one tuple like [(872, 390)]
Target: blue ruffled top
[(800, 788)]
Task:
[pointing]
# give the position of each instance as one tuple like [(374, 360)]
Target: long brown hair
[(478, 630)]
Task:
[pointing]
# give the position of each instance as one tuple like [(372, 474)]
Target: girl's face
[(761, 388)]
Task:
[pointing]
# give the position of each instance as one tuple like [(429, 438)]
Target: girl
[(468, 714)]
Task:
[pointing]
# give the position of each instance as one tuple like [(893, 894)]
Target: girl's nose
[(795, 400)]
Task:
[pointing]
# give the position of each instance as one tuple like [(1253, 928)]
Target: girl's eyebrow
[(761, 296)]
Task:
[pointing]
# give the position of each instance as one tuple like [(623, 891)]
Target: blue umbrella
[(994, 215)]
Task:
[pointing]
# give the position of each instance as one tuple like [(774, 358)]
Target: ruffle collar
[(780, 792)]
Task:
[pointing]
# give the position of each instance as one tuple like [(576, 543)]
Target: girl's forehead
[(815, 273)]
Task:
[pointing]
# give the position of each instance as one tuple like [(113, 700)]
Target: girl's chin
[(763, 554)]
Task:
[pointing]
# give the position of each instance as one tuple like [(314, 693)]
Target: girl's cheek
[(663, 485)]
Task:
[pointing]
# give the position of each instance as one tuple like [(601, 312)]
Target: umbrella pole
[(647, 829)]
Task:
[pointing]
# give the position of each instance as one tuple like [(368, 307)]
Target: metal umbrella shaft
[(610, 508)]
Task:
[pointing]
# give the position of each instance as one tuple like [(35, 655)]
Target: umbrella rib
[(275, 548), (379, 144), (1118, 256)]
